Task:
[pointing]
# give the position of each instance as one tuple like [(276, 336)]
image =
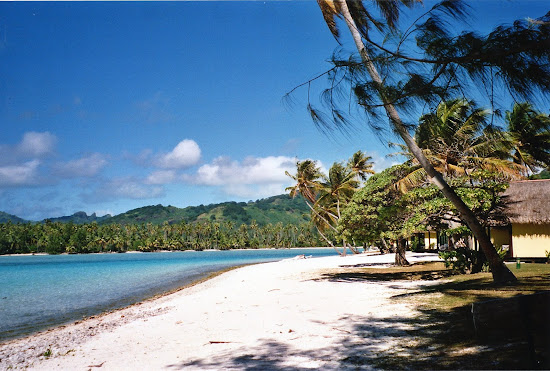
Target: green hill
[(5, 217), (80, 217), (269, 210), (272, 210)]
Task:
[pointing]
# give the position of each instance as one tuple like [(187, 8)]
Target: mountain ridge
[(275, 209)]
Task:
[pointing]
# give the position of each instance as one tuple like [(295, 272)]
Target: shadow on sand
[(434, 339)]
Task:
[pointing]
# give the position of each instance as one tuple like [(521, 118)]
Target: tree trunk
[(400, 258), (501, 273), (322, 218), (385, 247), (353, 248), (327, 240)]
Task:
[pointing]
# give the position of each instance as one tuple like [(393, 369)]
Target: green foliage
[(269, 210), (527, 136), (464, 260), (415, 244), (461, 260), (379, 210), (80, 217), (236, 212), (544, 174), (376, 210), (326, 195), (58, 238), (5, 217)]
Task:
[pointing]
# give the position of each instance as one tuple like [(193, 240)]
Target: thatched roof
[(528, 202)]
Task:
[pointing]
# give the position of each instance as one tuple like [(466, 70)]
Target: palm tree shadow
[(376, 276), (432, 339), (268, 355)]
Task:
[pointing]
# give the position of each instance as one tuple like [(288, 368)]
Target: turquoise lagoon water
[(42, 291)]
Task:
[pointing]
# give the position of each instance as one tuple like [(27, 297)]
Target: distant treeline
[(58, 238)]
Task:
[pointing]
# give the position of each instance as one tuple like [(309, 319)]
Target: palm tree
[(325, 195), (337, 188), (457, 140), (361, 165), (357, 19), (527, 136), (306, 178)]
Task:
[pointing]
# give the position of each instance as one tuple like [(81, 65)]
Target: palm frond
[(330, 13)]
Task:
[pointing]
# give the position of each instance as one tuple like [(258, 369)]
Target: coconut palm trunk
[(501, 273), (321, 233)]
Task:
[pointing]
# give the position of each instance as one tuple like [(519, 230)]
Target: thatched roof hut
[(528, 202)]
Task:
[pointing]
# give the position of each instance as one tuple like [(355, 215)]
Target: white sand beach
[(282, 315)]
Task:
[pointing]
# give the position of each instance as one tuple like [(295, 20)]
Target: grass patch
[(455, 290), (463, 290), (443, 335)]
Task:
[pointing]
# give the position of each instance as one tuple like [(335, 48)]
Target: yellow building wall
[(430, 238), (500, 236), (530, 240)]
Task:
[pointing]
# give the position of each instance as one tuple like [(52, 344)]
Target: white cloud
[(36, 144), (186, 154), (33, 145), (86, 166), (253, 177), (20, 163), (254, 191), (127, 187), (161, 177), (21, 174), (382, 163), (252, 170)]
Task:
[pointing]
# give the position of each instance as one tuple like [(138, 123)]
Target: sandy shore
[(281, 315)]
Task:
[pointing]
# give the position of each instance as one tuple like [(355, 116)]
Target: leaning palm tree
[(457, 140), (527, 136), (359, 21), (306, 181), (336, 191), (361, 165), (337, 188), (325, 195)]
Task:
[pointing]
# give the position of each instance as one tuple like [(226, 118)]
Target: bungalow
[(526, 230), (430, 240)]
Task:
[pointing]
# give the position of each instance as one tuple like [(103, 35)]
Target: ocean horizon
[(38, 292)]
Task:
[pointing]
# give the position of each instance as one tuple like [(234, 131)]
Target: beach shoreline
[(236, 310), (168, 251)]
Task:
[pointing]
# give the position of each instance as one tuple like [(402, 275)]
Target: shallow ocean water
[(42, 291)]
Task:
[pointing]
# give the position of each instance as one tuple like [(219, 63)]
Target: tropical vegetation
[(386, 209), (58, 238), (277, 221), (326, 195), (399, 69)]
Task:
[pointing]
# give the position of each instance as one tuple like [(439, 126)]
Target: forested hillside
[(269, 210), (272, 222), (80, 217), (272, 210), (5, 217)]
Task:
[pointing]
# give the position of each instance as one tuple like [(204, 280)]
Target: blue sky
[(105, 107)]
